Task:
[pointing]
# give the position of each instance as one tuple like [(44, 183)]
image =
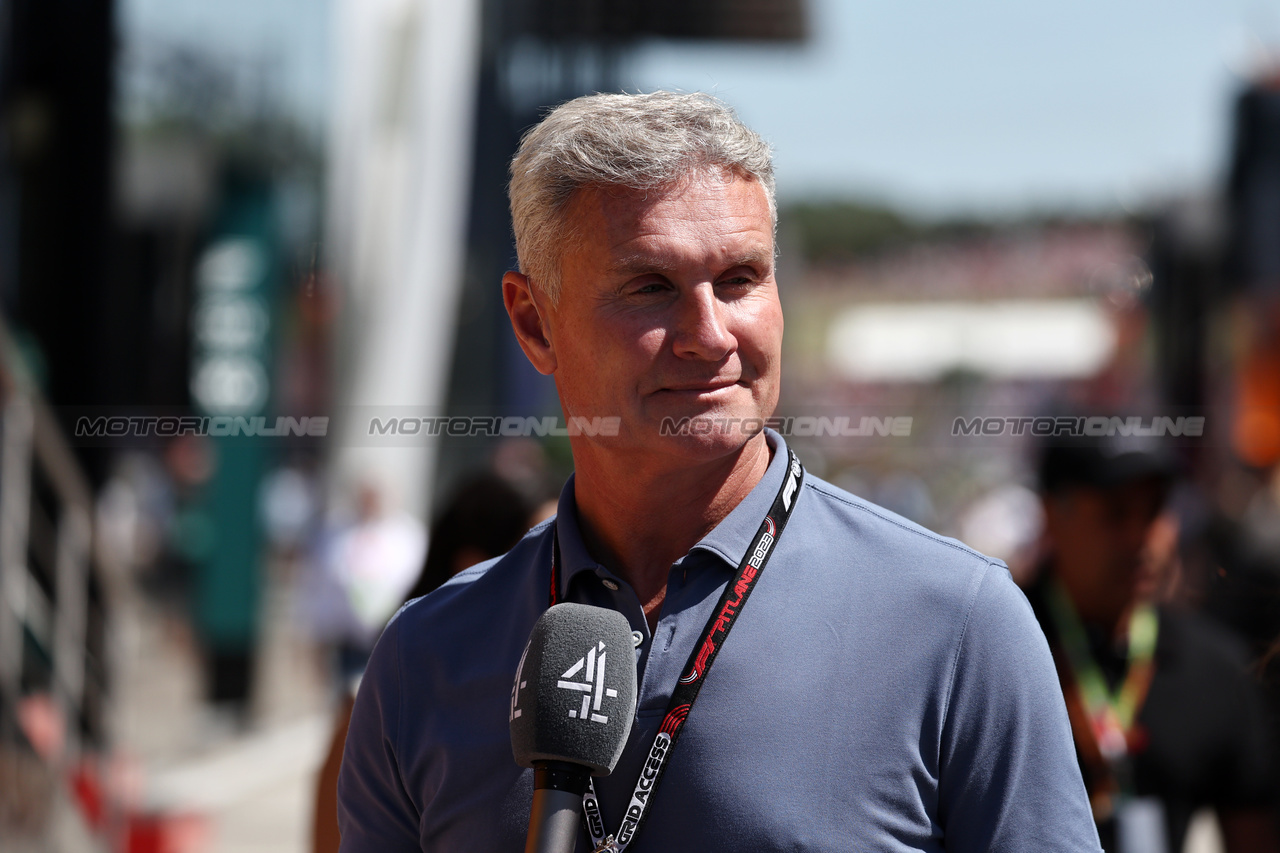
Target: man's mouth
[(695, 388)]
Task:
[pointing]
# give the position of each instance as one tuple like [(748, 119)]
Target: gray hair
[(637, 142)]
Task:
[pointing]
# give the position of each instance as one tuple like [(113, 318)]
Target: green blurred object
[(234, 321)]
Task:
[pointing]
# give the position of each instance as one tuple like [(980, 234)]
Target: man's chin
[(712, 428)]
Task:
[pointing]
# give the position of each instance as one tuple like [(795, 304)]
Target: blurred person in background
[(1165, 714), (885, 689), (365, 565), (483, 518), (1234, 562)]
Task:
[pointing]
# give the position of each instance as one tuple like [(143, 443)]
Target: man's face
[(1102, 544), (668, 309)]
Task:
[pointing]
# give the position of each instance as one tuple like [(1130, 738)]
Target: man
[(1165, 717), (884, 689)]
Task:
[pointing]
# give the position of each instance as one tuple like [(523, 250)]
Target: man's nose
[(701, 330)]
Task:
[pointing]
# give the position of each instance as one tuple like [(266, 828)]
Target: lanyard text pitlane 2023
[(695, 672)]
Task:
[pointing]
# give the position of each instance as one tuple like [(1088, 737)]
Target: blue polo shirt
[(884, 689)]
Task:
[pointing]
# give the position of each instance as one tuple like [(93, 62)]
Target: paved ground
[(252, 788)]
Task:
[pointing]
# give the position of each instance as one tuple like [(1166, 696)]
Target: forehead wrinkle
[(633, 233), (636, 263)]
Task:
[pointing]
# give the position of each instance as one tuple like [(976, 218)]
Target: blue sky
[(991, 104), (971, 105)]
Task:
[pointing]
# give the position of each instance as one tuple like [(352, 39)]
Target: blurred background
[(240, 239)]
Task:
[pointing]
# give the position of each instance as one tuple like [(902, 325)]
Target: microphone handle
[(558, 787)]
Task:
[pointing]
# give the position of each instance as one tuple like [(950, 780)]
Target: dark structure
[(56, 71)]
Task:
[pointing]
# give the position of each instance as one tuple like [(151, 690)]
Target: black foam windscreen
[(574, 695)]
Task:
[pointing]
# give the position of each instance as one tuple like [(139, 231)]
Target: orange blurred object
[(1255, 433)]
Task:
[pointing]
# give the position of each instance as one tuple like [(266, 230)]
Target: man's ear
[(527, 322)]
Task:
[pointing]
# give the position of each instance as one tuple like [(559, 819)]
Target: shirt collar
[(573, 551), (729, 539)]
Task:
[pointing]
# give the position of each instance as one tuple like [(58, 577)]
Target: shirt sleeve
[(1008, 778), (375, 812)]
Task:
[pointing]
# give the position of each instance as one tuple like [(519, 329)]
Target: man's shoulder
[(886, 568), (485, 588), (848, 522)]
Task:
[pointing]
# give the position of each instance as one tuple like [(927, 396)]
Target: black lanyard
[(695, 672)]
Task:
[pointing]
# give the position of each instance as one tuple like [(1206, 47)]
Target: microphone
[(572, 705)]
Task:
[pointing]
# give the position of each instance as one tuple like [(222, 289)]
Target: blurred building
[(955, 321), (102, 232), (55, 257)]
